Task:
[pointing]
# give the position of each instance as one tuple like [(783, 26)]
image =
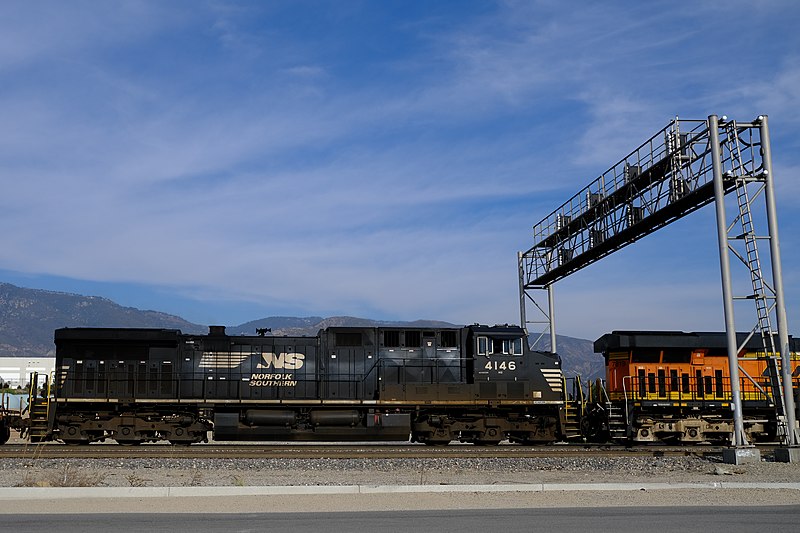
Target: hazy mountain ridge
[(28, 318), (577, 355), (278, 325), (309, 326)]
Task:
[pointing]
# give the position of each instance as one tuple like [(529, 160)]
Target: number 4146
[(501, 365)]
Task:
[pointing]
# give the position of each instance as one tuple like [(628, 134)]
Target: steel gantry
[(683, 167)]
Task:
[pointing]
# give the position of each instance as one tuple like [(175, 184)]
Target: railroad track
[(340, 451)]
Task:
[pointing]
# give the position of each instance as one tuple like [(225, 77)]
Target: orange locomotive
[(675, 387)]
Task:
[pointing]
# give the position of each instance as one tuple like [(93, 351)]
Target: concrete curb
[(49, 493)]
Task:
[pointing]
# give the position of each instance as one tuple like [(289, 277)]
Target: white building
[(17, 370)]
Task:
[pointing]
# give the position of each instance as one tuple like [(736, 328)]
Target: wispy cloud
[(261, 154), (46, 32)]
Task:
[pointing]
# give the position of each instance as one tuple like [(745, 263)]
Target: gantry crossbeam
[(664, 179)]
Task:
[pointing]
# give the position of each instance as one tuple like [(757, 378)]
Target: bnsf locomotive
[(676, 387), (475, 384)]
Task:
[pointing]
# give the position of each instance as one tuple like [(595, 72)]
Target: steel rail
[(368, 451)]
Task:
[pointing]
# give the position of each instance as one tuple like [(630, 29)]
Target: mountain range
[(28, 318)]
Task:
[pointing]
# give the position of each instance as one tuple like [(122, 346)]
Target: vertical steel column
[(777, 279), (739, 438), (523, 319), (551, 309)]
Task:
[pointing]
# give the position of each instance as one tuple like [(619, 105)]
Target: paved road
[(596, 520), (243, 501)]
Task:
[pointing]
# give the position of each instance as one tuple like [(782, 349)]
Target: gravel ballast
[(166, 472), (203, 475)]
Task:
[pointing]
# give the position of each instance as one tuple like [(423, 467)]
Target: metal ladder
[(774, 374), (752, 261)]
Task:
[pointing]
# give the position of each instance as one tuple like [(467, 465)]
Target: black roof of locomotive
[(500, 330), (129, 334), (162, 335), (627, 340)]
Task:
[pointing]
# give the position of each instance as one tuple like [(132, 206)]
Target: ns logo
[(290, 361)]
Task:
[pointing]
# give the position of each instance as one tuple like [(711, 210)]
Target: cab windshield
[(489, 346)]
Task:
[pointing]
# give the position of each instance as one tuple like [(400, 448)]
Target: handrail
[(32, 388), (691, 388), (49, 393), (625, 396), (753, 381), (604, 390), (582, 398)]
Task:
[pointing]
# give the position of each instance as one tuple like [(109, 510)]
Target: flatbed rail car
[(475, 384), (676, 387)]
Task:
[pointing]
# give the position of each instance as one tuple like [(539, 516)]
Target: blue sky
[(229, 161)]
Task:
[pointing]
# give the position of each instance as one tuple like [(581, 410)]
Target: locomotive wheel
[(491, 437)]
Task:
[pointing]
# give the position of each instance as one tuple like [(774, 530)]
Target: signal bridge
[(686, 165)]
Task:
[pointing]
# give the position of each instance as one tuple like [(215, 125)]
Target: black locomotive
[(475, 384)]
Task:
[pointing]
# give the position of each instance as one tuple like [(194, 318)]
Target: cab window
[(448, 339), (512, 347), (484, 346), (516, 346)]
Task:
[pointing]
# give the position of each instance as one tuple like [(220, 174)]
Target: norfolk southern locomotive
[(475, 384)]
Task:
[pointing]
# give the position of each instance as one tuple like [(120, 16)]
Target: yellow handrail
[(32, 386), (49, 392)]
